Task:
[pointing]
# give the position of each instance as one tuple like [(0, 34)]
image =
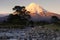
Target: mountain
[(39, 14), (3, 17), (52, 14), (35, 8)]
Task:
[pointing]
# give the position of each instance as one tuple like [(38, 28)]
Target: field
[(53, 26)]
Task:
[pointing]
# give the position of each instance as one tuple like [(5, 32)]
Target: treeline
[(54, 20), (19, 17), (22, 17)]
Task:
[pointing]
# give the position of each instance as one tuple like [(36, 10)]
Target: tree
[(23, 13), (54, 19), (10, 17), (22, 16), (18, 8)]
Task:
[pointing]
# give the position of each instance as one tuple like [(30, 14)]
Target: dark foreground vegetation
[(21, 19)]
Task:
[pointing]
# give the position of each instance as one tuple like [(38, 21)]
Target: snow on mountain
[(35, 8), (38, 13)]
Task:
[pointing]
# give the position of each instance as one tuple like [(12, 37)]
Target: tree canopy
[(21, 17), (54, 19)]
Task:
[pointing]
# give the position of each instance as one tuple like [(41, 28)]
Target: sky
[(50, 5)]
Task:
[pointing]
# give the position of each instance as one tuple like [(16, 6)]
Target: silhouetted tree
[(18, 8), (54, 19), (21, 17), (10, 17)]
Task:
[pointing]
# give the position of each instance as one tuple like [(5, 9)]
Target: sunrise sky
[(50, 5)]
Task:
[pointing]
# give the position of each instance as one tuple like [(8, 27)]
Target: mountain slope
[(52, 14), (35, 8), (38, 13)]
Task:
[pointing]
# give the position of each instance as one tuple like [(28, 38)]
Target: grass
[(53, 26), (12, 26)]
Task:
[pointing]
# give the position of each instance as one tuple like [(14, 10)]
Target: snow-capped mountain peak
[(39, 13), (33, 8)]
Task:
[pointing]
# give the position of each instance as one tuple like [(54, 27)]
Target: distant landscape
[(30, 16), (31, 22)]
